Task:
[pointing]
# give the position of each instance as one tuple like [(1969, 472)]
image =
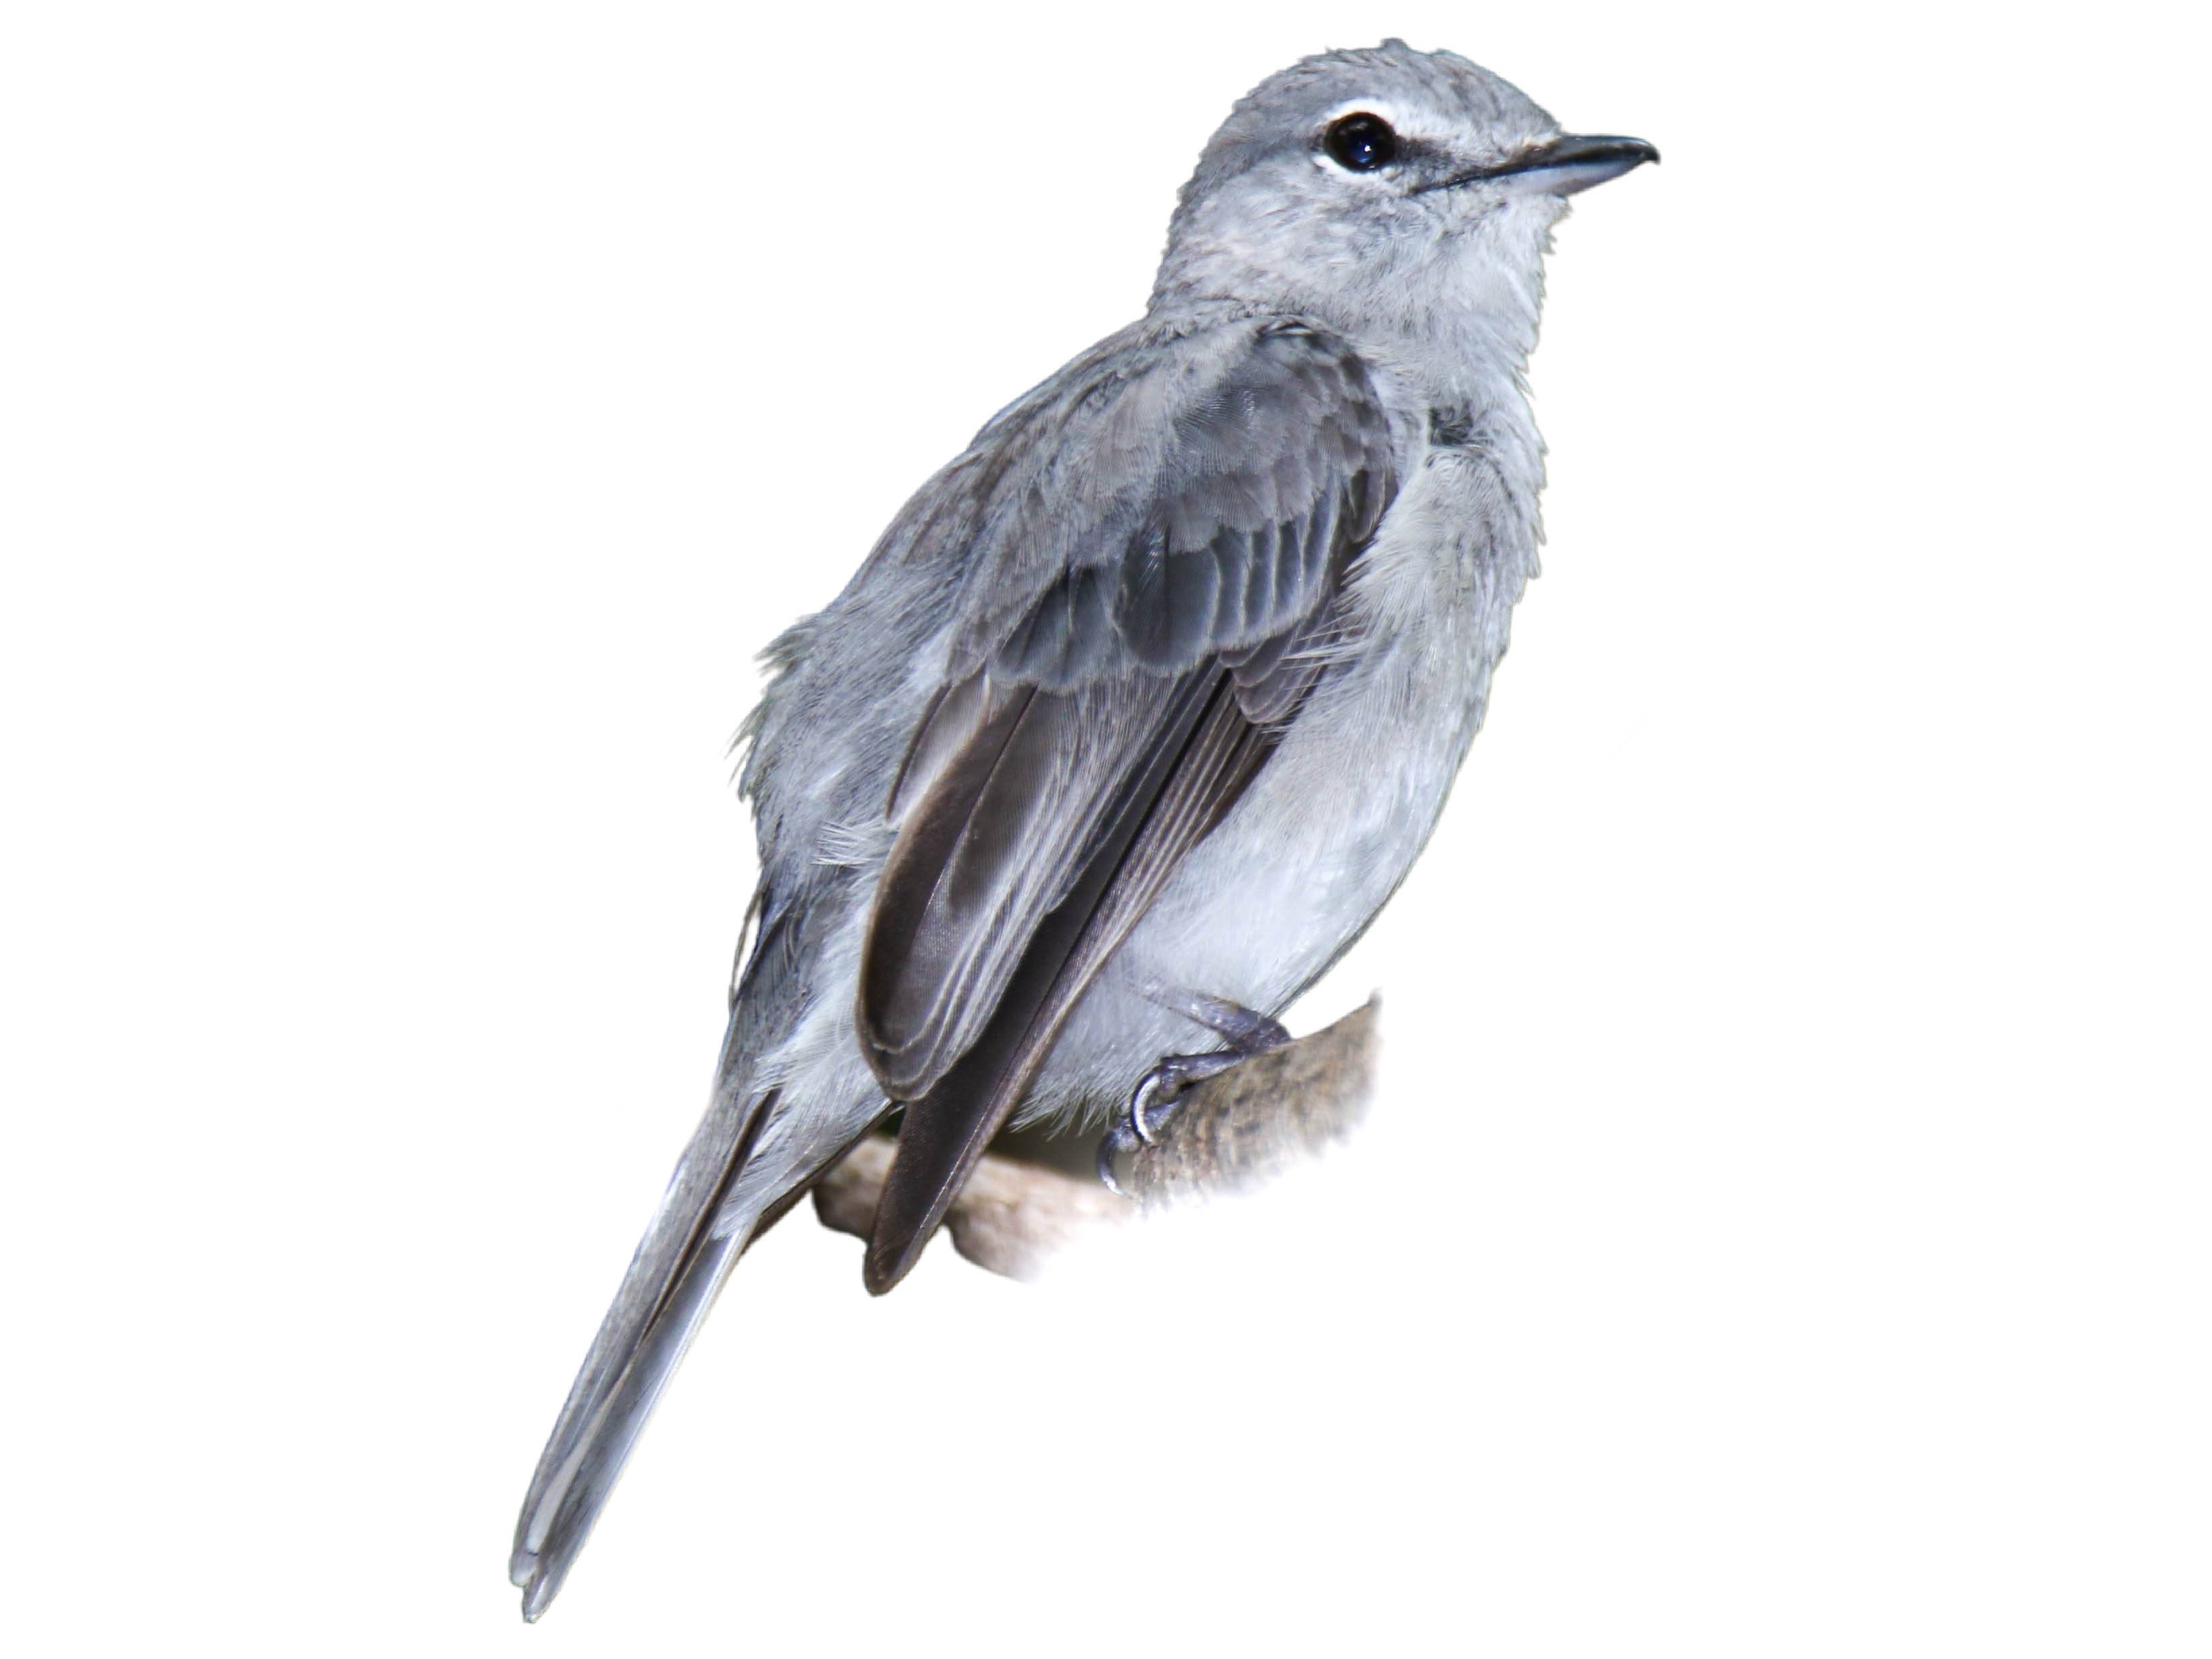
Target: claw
[(1153, 1083), (1153, 1100), (1116, 1141), (1151, 1104)]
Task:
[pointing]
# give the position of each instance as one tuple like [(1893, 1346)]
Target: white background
[(1784, 1231)]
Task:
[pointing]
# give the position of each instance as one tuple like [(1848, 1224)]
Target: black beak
[(1561, 166)]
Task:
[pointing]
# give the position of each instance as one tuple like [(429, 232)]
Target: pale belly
[(1337, 816)]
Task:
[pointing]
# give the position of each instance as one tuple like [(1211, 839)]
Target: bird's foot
[(1157, 1092)]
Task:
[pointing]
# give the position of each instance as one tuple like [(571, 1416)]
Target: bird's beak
[(1573, 162), (1559, 167)]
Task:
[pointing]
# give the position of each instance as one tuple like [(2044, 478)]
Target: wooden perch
[(1228, 1134)]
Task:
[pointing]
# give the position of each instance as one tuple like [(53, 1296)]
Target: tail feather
[(552, 1533), (686, 1254)]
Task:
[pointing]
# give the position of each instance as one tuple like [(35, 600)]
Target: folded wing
[(1154, 588)]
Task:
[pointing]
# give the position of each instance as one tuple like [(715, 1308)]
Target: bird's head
[(1384, 187)]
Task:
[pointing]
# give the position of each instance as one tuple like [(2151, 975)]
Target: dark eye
[(1361, 142)]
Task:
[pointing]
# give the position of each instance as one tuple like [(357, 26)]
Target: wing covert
[(1173, 520)]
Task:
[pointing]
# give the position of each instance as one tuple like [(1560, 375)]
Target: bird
[(1142, 708)]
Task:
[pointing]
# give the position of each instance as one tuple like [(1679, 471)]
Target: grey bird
[(1141, 708)]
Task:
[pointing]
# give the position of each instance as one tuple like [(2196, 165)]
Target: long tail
[(688, 1250)]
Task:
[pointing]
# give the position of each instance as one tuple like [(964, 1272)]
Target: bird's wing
[(1154, 564)]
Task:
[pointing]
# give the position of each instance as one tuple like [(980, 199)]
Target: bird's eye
[(1360, 142)]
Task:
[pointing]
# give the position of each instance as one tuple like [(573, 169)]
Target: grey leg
[(1153, 1102)]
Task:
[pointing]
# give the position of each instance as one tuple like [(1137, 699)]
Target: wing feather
[(1108, 703)]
